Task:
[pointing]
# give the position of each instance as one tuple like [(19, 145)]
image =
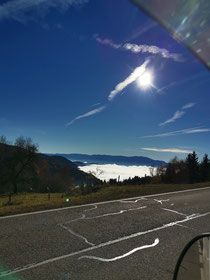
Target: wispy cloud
[(178, 114), (179, 132), (130, 79), (96, 104), (22, 10), (181, 82), (88, 114), (134, 48), (108, 42), (142, 30), (187, 106), (174, 150)]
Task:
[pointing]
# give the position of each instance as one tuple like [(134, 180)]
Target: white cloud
[(113, 171), (21, 10), (96, 104), (179, 151), (90, 113), (179, 132), (134, 48), (108, 42), (152, 49), (178, 114), (130, 79), (187, 106)]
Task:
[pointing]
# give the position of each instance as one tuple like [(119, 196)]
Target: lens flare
[(145, 80)]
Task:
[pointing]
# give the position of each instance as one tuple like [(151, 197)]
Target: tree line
[(185, 171), (177, 171)]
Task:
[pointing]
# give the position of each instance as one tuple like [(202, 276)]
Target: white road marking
[(115, 213), (161, 201), (77, 234), (183, 226), (104, 215), (100, 203), (95, 207), (71, 221), (131, 201), (170, 210), (122, 256), (31, 266), (83, 217)]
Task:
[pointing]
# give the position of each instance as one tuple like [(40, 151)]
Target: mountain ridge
[(112, 159)]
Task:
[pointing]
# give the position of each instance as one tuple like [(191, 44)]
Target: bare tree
[(3, 140), (22, 161)]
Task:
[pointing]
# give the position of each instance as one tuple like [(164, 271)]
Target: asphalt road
[(137, 238)]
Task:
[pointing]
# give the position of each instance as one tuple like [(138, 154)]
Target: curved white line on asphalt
[(122, 256), (115, 213), (31, 266), (83, 217)]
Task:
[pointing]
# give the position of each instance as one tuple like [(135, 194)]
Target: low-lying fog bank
[(113, 171)]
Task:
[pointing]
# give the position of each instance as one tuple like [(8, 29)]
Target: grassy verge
[(30, 202)]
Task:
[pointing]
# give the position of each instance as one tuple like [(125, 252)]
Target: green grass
[(22, 203)]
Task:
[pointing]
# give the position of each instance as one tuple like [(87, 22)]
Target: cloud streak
[(174, 150), (88, 114), (143, 30), (179, 132), (130, 79), (21, 10), (134, 48), (188, 105), (178, 83), (178, 114)]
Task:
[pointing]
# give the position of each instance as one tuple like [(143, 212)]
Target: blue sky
[(68, 80)]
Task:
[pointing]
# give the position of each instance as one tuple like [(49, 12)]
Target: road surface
[(138, 238)]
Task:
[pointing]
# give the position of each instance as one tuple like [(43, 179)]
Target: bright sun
[(145, 80)]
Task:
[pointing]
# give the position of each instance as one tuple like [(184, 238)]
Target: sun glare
[(145, 80)]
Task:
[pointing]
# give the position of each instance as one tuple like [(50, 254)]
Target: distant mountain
[(81, 159), (48, 170)]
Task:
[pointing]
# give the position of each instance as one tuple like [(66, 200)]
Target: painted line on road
[(100, 203), (161, 201), (173, 211), (27, 267), (76, 234), (155, 243)]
